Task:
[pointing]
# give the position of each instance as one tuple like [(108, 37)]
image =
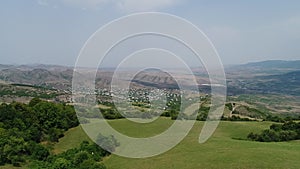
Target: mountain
[(275, 64), (270, 67), (275, 76), (59, 79), (287, 83), (283, 83), (5, 66)]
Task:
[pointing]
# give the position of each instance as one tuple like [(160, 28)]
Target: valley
[(259, 95)]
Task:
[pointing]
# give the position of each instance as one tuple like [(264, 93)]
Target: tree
[(278, 132), (287, 135), (253, 136), (61, 163), (80, 157), (276, 127), (39, 152)]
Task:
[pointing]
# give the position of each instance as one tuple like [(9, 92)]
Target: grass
[(133, 129), (221, 151), (224, 149), (72, 138)]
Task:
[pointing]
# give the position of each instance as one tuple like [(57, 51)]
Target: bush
[(87, 156), (278, 132), (109, 143), (39, 152)]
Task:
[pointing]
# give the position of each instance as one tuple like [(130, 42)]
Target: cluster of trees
[(274, 119), (236, 118), (281, 119), (107, 113), (278, 132), (173, 108), (25, 128), (174, 114), (110, 113), (203, 113), (170, 113), (88, 155)]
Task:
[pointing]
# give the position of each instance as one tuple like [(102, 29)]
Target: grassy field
[(72, 138), (223, 150)]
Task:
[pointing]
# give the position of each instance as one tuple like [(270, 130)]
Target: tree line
[(27, 132), (278, 132)]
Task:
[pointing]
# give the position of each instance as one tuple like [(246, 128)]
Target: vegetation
[(86, 156), (269, 103), (236, 118), (72, 139), (46, 135), (22, 90), (224, 148), (227, 148), (278, 132), (28, 131)]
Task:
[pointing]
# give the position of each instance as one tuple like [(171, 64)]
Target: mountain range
[(275, 76)]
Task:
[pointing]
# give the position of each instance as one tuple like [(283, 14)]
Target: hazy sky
[(54, 31)]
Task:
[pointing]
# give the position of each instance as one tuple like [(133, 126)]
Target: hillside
[(225, 149), (267, 77), (61, 77), (283, 83), (265, 67), (275, 64)]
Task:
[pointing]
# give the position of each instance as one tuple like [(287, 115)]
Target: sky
[(54, 31)]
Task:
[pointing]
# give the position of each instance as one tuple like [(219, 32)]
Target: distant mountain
[(274, 64), (270, 67), (288, 83), (59, 79), (5, 66), (272, 76), (260, 77), (285, 83)]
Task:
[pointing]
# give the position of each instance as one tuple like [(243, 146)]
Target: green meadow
[(227, 148)]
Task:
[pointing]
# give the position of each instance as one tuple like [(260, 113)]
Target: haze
[(53, 32)]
